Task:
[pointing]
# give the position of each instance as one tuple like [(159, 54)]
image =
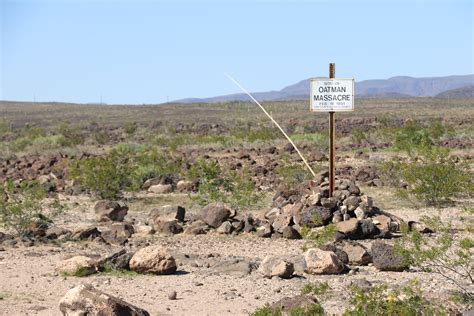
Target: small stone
[(225, 228), (172, 295), (359, 213), (161, 188), (291, 233)]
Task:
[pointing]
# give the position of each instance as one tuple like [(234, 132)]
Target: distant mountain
[(461, 93), (395, 87)]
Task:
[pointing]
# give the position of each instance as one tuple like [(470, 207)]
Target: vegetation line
[(276, 123)]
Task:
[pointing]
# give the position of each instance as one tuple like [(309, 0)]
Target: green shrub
[(318, 289), (309, 310), (102, 137), (72, 136), (20, 144), (379, 301), (21, 207), (445, 255), (130, 128), (216, 185), (293, 175), (318, 237), (125, 168)]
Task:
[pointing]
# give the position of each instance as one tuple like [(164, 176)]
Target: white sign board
[(332, 95)]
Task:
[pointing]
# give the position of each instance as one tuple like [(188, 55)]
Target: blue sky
[(150, 51)]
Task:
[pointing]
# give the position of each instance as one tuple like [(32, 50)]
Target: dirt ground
[(29, 284)]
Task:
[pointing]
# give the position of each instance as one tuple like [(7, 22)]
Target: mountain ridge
[(393, 87)]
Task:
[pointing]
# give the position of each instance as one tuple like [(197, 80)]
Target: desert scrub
[(71, 136), (217, 185), (23, 205), (446, 254), (125, 168), (378, 300), (432, 177), (293, 175), (318, 289), (309, 310), (317, 237)]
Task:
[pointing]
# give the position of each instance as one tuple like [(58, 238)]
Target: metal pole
[(332, 140)]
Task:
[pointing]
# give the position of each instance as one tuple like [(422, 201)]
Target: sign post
[(333, 95)]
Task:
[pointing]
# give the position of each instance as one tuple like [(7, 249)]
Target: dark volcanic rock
[(215, 214), (385, 257)]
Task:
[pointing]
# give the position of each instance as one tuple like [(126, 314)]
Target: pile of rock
[(353, 212)]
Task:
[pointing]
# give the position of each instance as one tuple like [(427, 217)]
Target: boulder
[(264, 230), (367, 228), (383, 224), (77, 266), (322, 262), (291, 233), (313, 217), (167, 213), (275, 266), (196, 228), (272, 214), (299, 302), (171, 227), (349, 228), (356, 253), (110, 210), (215, 214), (234, 266), (153, 181), (161, 188), (86, 300), (87, 233), (153, 259), (352, 202), (118, 261), (385, 257), (225, 228), (185, 186), (281, 222), (341, 254), (118, 233)]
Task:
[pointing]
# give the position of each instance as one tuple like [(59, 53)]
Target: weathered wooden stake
[(332, 140)]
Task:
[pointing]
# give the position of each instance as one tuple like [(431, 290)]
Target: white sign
[(328, 95)]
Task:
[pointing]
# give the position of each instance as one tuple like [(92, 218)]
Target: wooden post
[(332, 140)]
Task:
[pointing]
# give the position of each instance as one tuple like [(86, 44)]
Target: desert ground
[(227, 216)]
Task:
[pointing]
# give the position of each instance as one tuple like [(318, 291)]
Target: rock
[(337, 217), (353, 189), (225, 228), (313, 217), (419, 227), (300, 302), (86, 300), (249, 223), (341, 254), (281, 222), (329, 202), (349, 228), (161, 188), (356, 253), (168, 227), (110, 210), (196, 228), (185, 186), (144, 230), (77, 266), (360, 213), (234, 266), (275, 266), (290, 232), (264, 231), (383, 224), (366, 203), (119, 260), (367, 228), (352, 202), (90, 233), (172, 295), (153, 181), (385, 257), (362, 284), (215, 214), (153, 259), (167, 213), (322, 262), (272, 214), (118, 233), (55, 232)]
